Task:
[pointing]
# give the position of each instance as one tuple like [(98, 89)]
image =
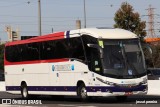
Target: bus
[(84, 62)]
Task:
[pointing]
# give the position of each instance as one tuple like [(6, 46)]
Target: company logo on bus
[(72, 67), (67, 67)]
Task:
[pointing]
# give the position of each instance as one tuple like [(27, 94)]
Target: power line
[(53, 17), (151, 22)]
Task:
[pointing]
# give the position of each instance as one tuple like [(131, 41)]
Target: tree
[(125, 18), (1, 57), (152, 60), (156, 55)]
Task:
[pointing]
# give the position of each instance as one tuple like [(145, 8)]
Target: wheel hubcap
[(83, 92), (24, 92)]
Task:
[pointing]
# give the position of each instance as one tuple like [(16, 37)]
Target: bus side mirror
[(97, 47), (148, 54), (148, 48)]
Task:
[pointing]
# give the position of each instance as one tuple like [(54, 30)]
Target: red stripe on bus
[(36, 61), (54, 36)]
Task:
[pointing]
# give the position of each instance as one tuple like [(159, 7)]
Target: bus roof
[(94, 32), (110, 33)]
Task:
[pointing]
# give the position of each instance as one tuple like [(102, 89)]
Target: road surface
[(53, 101)]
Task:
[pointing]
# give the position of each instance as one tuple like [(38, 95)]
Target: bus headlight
[(106, 82), (109, 83)]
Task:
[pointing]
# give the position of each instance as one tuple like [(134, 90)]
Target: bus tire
[(24, 92), (82, 92)]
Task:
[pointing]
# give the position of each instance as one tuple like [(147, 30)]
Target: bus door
[(94, 64)]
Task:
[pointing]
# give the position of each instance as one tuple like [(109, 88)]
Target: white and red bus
[(84, 62)]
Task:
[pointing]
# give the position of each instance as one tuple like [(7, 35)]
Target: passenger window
[(76, 48)]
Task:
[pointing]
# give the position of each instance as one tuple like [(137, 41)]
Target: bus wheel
[(24, 92), (82, 92)]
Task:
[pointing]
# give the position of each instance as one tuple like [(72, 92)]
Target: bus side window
[(90, 40), (60, 51), (13, 53), (76, 48), (33, 51), (24, 52), (54, 49), (47, 50)]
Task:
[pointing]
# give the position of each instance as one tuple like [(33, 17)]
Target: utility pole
[(39, 18), (84, 14), (52, 30), (151, 30)]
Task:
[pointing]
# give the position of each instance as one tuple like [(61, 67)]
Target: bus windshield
[(123, 59)]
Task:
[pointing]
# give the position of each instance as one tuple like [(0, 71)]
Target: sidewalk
[(154, 87)]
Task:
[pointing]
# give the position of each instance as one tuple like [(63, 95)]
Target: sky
[(61, 15)]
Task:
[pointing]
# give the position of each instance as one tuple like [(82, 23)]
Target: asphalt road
[(67, 101)]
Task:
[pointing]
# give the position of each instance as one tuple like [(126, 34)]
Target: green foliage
[(2, 57), (156, 55), (125, 18)]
